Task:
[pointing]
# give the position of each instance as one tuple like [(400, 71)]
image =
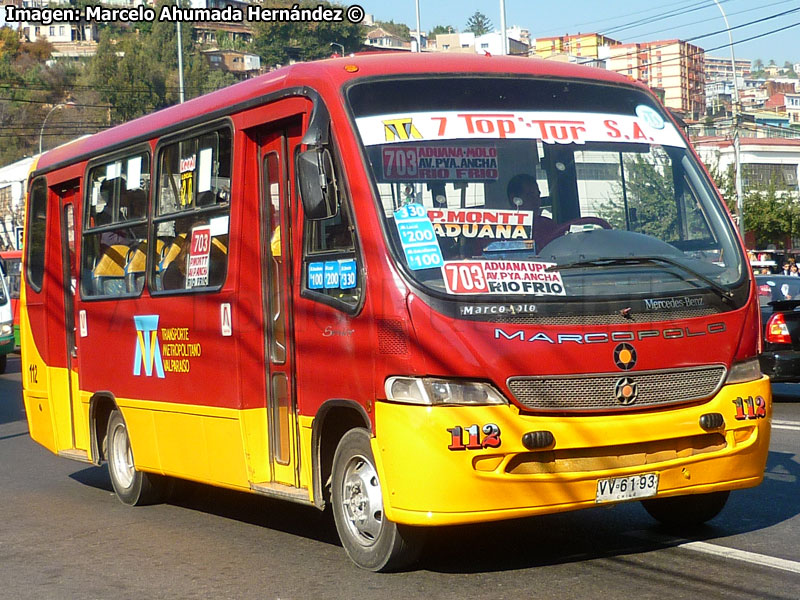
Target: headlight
[(742, 372), (6, 329), (437, 392)]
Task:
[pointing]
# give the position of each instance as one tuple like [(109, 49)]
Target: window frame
[(141, 149), (199, 212), (29, 247), (308, 256)]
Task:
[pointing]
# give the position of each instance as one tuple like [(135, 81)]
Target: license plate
[(626, 488)]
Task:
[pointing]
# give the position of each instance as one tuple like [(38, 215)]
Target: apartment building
[(719, 69), (581, 45), (793, 108), (674, 66)]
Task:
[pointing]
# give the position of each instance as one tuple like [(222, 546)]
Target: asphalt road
[(64, 535)]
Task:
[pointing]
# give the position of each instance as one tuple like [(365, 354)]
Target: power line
[(704, 51), (716, 18), (660, 17), (595, 22)]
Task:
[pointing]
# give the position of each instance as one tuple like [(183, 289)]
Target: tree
[(441, 30), (649, 196), (9, 42), (278, 42), (771, 210), (479, 23), (400, 30), (128, 77)]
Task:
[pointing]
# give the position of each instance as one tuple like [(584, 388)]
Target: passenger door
[(68, 200), (276, 283)]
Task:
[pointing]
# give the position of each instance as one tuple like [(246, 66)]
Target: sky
[(625, 21)]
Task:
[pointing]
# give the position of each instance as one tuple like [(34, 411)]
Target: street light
[(340, 46), (41, 131), (735, 117)]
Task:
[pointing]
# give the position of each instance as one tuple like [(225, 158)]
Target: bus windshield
[(507, 188)]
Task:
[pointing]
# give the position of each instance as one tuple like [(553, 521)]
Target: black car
[(779, 298)]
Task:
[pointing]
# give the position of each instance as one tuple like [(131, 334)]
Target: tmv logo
[(400, 129), (147, 348)]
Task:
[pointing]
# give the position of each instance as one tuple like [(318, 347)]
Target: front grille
[(585, 393), (614, 318)]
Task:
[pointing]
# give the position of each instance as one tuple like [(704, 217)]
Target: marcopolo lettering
[(669, 333)]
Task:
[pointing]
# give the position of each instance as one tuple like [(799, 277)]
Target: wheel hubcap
[(362, 500), (122, 457)]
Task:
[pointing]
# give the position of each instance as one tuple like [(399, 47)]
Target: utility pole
[(419, 34), (180, 58), (504, 35), (735, 112)]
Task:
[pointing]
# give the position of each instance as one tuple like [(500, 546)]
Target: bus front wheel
[(371, 540), (131, 486), (686, 511)]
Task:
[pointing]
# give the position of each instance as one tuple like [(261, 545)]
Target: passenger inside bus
[(173, 266), (523, 194), (132, 205)]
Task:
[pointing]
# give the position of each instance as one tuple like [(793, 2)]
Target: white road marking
[(715, 550), (788, 425)]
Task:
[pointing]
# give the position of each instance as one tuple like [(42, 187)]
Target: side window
[(331, 265), (192, 213), (115, 227), (35, 237)]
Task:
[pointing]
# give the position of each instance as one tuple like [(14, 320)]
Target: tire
[(686, 511), (132, 487), (372, 541), (3, 363)]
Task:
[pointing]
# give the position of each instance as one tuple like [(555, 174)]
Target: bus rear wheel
[(371, 540), (132, 487), (686, 511)]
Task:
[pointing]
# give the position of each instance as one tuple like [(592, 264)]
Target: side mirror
[(317, 180)]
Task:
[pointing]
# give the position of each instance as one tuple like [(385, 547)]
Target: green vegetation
[(441, 30), (479, 23), (284, 41), (771, 210), (649, 194), (134, 72)]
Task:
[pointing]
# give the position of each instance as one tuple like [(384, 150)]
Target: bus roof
[(327, 74)]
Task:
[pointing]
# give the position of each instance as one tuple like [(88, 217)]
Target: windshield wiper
[(722, 292)]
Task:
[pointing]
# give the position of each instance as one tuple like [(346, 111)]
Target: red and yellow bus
[(422, 290)]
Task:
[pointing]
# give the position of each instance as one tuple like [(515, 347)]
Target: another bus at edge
[(420, 290)]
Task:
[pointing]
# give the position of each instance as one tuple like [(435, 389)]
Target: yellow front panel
[(424, 482)]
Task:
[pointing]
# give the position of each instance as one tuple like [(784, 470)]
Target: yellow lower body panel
[(40, 420), (435, 474), (224, 447)]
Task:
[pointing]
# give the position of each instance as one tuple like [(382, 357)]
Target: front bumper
[(427, 483)]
